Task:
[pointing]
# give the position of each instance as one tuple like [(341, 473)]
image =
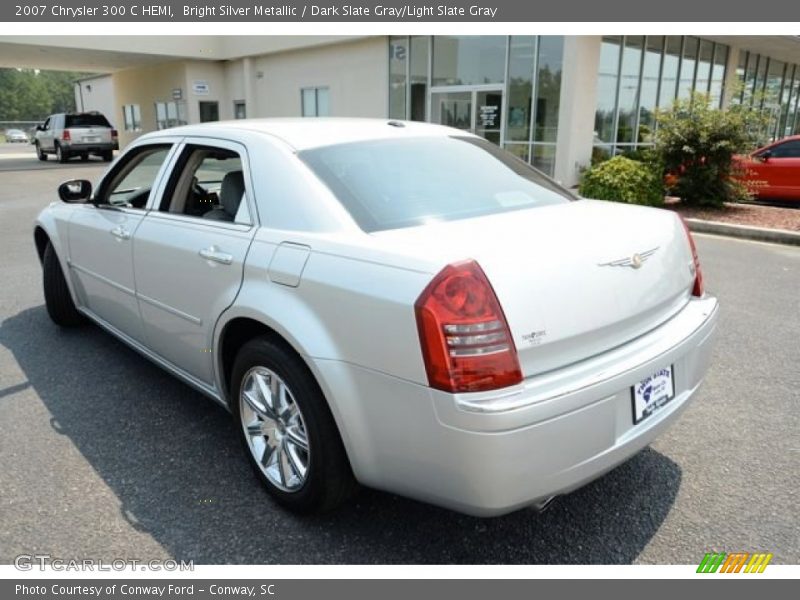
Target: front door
[(101, 237), (477, 110)]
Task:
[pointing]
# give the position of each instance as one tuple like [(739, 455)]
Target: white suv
[(76, 134)]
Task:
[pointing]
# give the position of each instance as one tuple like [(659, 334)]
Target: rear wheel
[(107, 155), (287, 430), (57, 298), (61, 155), (40, 153)]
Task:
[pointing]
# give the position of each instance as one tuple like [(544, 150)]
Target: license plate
[(89, 139), (652, 393)]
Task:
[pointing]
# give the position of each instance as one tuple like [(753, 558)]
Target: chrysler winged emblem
[(634, 262)]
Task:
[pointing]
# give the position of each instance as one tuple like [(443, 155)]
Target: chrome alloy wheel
[(274, 428)]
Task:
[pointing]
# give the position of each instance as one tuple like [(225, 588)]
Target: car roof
[(306, 133)]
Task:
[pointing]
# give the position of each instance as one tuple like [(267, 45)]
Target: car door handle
[(215, 254), (121, 233)]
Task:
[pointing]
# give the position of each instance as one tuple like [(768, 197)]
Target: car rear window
[(389, 184), (86, 120)]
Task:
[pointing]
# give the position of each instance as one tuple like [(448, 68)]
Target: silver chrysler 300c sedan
[(397, 304)]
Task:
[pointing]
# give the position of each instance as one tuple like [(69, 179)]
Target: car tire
[(61, 155), (57, 298), (107, 155), (40, 153), (327, 481)]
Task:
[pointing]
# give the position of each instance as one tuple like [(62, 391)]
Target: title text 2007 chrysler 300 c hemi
[(397, 304)]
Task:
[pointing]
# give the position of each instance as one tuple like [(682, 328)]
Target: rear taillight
[(698, 289), (114, 134), (66, 136), (466, 342)]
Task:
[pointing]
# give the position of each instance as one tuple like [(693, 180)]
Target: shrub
[(622, 179), (696, 143)]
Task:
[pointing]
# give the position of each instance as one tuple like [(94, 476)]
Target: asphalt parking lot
[(106, 456)]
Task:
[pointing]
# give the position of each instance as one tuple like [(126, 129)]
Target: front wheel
[(40, 153), (288, 432), (57, 298)]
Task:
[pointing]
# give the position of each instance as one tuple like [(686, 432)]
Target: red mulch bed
[(754, 215)]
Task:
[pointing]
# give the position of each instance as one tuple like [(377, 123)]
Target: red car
[(773, 172)]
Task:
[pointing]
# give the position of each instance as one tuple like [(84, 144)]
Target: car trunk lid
[(575, 279)]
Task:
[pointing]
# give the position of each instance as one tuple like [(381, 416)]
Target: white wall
[(577, 110), (213, 74), (356, 73), (145, 86), (97, 94)]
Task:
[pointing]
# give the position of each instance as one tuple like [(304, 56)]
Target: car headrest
[(231, 192)]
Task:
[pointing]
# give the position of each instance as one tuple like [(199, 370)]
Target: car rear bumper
[(76, 148), (548, 436)]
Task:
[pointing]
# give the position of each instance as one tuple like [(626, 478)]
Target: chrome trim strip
[(473, 328), (169, 309), (480, 351), (102, 279)]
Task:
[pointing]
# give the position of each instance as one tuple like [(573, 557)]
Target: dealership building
[(553, 101)]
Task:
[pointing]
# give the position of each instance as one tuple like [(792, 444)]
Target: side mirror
[(765, 155), (40, 128), (75, 191)]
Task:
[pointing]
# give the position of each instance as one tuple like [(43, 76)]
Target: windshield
[(388, 184), (87, 120)]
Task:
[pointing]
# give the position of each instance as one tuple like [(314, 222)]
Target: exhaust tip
[(542, 505)]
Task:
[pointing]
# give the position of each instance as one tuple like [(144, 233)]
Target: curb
[(776, 236)]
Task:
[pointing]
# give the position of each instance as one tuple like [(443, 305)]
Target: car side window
[(208, 183), (46, 125), (131, 181), (790, 149)]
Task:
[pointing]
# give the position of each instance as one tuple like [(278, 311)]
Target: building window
[(398, 76), (132, 117), (170, 114), (315, 102), (534, 95), (504, 88), (409, 65), (209, 111), (468, 59), (607, 85), (639, 75), (773, 87), (239, 109), (418, 78)]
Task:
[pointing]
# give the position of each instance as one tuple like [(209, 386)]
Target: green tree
[(31, 95), (696, 142)]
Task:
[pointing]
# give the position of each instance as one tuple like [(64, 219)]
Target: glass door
[(477, 110)]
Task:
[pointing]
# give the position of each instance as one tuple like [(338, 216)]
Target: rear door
[(100, 238), (189, 252)]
